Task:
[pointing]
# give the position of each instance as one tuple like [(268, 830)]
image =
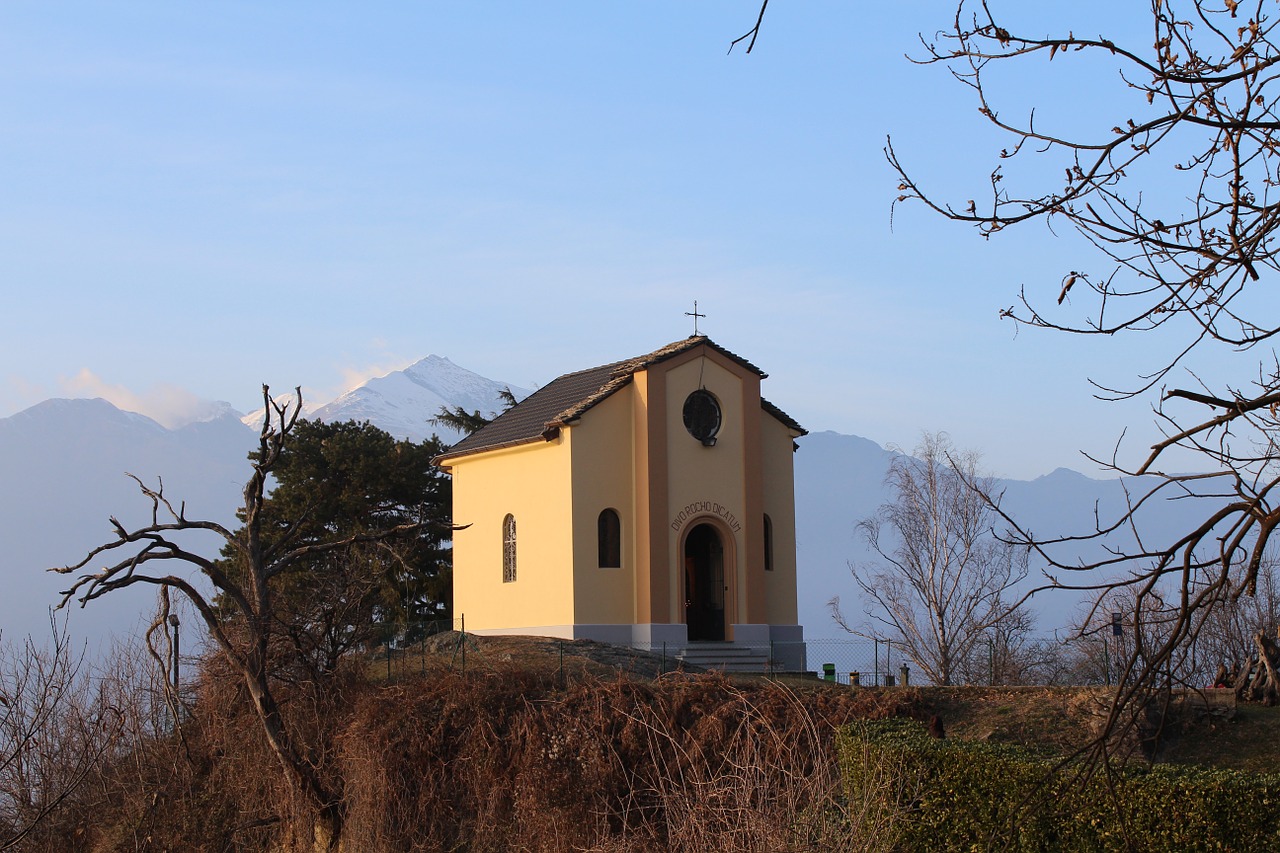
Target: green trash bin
[(828, 672)]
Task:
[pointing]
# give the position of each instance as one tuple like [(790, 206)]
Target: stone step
[(725, 656)]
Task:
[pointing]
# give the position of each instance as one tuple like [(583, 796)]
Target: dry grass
[(1056, 719), (518, 752), (681, 764), (1249, 740)]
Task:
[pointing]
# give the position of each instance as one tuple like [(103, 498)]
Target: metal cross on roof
[(695, 315)]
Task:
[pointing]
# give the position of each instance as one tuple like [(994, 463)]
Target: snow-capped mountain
[(402, 402)]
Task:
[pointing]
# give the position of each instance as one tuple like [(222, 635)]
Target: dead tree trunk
[(1268, 688), (1240, 681)]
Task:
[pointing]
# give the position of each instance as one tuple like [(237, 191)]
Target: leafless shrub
[(771, 785), (684, 764), (482, 761), (56, 725)]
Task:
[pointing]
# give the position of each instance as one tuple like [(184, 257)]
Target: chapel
[(649, 502)]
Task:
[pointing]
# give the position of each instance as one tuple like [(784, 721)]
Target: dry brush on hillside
[(499, 760)]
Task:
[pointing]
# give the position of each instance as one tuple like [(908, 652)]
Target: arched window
[(609, 535), (509, 549), (768, 543)]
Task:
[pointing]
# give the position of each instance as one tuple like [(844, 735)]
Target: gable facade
[(601, 508)]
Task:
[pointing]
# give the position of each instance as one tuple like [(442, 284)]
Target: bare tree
[(944, 577), (242, 621), (1225, 640), (1009, 653), (1177, 192), (55, 729)]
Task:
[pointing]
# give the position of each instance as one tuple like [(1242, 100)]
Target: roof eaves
[(782, 416), (448, 455)]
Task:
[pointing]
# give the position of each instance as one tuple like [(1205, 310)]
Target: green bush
[(929, 794)]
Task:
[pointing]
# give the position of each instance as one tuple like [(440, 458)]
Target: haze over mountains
[(63, 464)]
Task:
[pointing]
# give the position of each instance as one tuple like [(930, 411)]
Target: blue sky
[(197, 199)]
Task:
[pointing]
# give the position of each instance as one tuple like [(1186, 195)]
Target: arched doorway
[(704, 585)]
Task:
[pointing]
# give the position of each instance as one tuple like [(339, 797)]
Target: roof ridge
[(590, 369), (567, 397)]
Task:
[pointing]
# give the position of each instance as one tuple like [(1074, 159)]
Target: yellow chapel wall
[(779, 504), (533, 483), (603, 472), (708, 481)]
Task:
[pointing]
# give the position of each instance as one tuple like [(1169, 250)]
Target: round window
[(702, 416)]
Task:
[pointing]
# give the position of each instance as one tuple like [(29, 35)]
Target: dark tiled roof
[(564, 400), (532, 417)]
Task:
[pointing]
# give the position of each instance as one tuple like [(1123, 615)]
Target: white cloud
[(19, 393), (166, 404), (354, 376)]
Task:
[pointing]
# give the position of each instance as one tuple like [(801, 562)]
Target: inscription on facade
[(702, 507)]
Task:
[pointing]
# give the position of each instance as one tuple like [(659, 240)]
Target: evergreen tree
[(338, 480), (459, 419)]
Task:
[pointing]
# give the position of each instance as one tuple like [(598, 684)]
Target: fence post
[(1106, 659)]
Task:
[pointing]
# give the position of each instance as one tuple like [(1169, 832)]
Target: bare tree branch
[(1178, 193), (244, 621), (751, 33)]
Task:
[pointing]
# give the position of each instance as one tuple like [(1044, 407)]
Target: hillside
[(534, 744), (1061, 720)]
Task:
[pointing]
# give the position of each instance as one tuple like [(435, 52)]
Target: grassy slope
[(1250, 741), (1060, 719), (1063, 718), (560, 745)]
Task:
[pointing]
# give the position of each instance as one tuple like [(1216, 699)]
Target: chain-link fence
[(853, 660), (865, 662)]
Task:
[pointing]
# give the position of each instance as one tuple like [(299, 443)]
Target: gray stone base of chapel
[(754, 648)]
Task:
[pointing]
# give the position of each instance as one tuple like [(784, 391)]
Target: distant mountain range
[(63, 465), (62, 475), (404, 401)]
